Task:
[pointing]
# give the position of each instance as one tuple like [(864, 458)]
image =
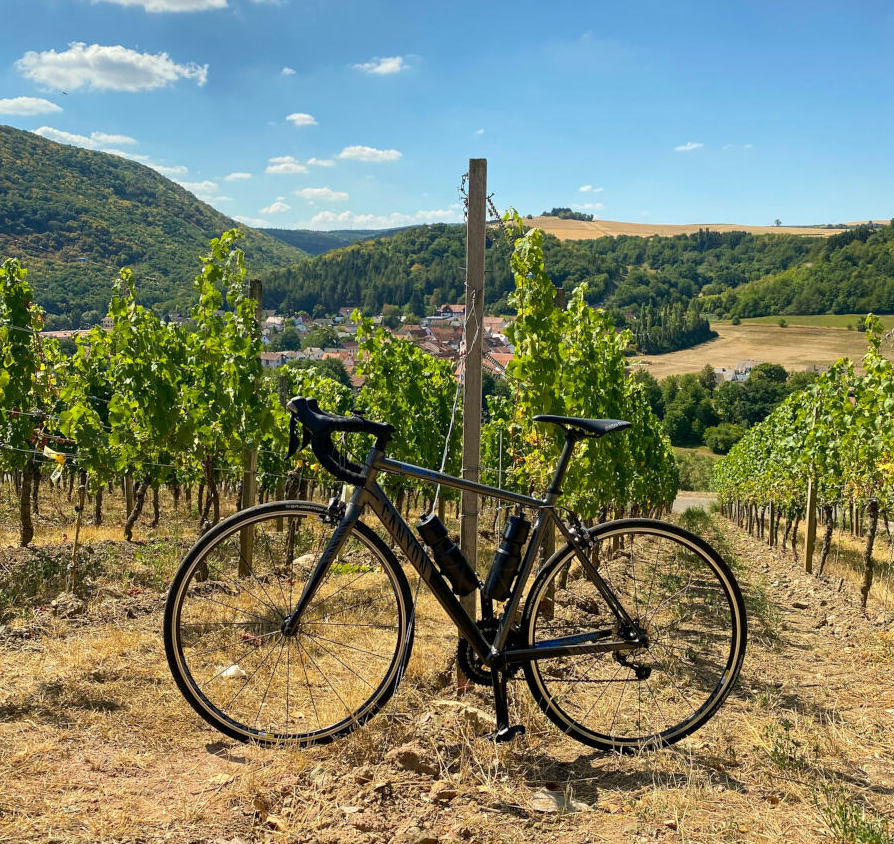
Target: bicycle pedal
[(506, 733)]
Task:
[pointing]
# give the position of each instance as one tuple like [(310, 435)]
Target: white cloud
[(590, 206), (322, 194), (61, 137), (688, 146), (301, 119), (352, 220), (362, 153), (589, 189), (112, 68), (276, 207), (288, 71), (103, 138), (177, 170), (206, 191), (479, 131), (171, 5), (205, 187), (321, 162), (97, 140), (256, 222), (132, 156), (27, 106), (237, 177), (383, 66), (285, 164)]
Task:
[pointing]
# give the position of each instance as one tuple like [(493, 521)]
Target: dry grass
[(96, 742), (795, 347), (584, 230)]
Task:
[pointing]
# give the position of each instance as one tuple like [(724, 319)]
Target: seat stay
[(581, 551)]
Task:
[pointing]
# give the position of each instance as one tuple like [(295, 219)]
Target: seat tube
[(554, 490)]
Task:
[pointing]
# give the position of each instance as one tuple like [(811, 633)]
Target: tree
[(320, 337), (721, 438), (707, 379), (329, 367), (651, 389), (287, 339)]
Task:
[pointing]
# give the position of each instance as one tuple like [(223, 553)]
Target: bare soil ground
[(587, 230), (96, 743), (796, 347)]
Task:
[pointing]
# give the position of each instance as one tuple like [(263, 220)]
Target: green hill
[(75, 216), (316, 243), (659, 286), (850, 272)]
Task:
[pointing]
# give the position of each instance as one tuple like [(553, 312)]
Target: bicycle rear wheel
[(676, 588), (223, 617)]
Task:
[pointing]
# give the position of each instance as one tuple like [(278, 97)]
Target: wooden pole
[(71, 580), (475, 246), (249, 464), (810, 528), (128, 494)]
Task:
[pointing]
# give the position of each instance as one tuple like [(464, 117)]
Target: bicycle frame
[(495, 655)]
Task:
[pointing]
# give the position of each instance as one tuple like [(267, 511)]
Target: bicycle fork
[(352, 513)]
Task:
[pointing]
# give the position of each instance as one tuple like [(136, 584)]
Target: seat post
[(554, 490)]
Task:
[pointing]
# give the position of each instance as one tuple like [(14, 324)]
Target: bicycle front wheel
[(223, 618), (676, 589)]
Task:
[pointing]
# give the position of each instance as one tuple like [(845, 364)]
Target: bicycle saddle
[(584, 427)]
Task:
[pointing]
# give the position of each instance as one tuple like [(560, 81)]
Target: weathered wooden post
[(475, 246), (810, 529), (249, 464)]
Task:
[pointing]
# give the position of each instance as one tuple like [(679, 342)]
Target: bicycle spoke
[(346, 656), (680, 599)]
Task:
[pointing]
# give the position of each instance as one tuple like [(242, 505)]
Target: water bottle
[(506, 560), (451, 561)]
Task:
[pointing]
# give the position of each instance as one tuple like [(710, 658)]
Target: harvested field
[(796, 347), (97, 744), (587, 230)]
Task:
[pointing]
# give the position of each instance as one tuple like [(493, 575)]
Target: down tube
[(398, 528)]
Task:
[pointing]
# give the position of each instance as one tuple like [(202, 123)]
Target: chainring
[(471, 663)]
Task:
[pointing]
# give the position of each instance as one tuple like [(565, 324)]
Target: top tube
[(386, 464)]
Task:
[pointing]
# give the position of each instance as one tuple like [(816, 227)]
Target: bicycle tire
[(685, 596), (227, 652)]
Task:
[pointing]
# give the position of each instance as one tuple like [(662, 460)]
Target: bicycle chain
[(471, 663)]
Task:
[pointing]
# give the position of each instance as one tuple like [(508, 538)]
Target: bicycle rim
[(681, 593), (223, 635)]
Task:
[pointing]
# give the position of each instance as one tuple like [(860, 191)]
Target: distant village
[(439, 334)]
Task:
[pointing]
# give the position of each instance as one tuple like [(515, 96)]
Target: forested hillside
[(731, 273), (316, 243), (76, 216), (851, 272)]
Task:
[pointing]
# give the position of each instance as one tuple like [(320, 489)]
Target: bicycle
[(630, 636)]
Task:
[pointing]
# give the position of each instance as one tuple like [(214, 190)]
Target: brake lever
[(297, 444)]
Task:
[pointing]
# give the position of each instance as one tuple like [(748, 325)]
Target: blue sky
[(363, 114)]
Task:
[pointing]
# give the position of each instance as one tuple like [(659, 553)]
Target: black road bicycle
[(293, 622)]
